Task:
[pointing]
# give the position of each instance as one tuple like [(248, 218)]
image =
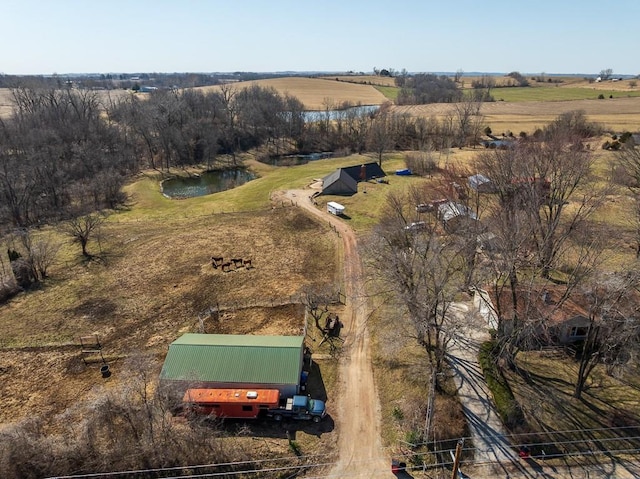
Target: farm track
[(360, 452)]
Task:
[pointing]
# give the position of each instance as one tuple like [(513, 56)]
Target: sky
[(539, 36)]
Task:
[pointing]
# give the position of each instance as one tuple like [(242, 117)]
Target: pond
[(317, 115), (205, 184)]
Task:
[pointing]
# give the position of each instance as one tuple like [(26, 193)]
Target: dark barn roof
[(372, 170), (339, 182)]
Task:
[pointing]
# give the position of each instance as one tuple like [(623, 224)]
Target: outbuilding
[(339, 183), (234, 361)]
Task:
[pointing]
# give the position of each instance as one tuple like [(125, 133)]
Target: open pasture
[(616, 114), (151, 280)]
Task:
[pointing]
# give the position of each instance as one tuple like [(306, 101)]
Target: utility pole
[(456, 459)]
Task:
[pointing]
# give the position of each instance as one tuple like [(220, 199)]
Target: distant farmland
[(317, 93)]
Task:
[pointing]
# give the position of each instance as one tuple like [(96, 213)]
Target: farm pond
[(204, 184)]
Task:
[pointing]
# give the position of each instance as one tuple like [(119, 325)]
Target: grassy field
[(558, 93)]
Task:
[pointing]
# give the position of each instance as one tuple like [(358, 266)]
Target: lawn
[(606, 416)]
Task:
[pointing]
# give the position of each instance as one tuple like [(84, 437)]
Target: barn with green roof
[(235, 361)]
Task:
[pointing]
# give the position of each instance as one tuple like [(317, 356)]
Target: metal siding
[(190, 359)]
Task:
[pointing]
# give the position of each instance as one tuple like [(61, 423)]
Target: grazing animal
[(237, 262), (216, 261), (247, 263), (226, 267)]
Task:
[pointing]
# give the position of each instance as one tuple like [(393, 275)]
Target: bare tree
[(380, 138), (629, 160), (605, 74), (468, 120), (41, 251), (614, 324), (317, 301), (83, 228), (534, 230), (422, 269)]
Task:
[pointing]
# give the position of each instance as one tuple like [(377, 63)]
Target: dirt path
[(360, 452)]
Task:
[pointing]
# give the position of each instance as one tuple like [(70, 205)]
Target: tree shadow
[(268, 427), (315, 384)]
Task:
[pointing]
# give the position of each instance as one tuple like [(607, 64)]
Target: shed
[(456, 216), (234, 361), (481, 184), (339, 183)]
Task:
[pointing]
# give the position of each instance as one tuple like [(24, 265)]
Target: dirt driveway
[(360, 452)]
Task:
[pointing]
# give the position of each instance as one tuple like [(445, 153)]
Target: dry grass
[(544, 389), (365, 79), (149, 283), (617, 114), (318, 93), (6, 102), (399, 360)]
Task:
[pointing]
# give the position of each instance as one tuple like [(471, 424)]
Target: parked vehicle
[(251, 404), (300, 407), (335, 208)]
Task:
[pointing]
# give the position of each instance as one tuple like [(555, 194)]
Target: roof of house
[(542, 303), (228, 358), (365, 171), (477, 180), (340, 176), (450, 210)]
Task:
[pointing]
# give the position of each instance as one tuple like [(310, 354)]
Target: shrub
[(413, 437), (421, 163), (600, 96), (397, 413), (505, 401)]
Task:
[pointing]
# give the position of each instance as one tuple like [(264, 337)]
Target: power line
[(408, 456)]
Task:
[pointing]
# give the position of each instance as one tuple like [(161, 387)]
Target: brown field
[(616, 114), (318, 93), (364, 79)]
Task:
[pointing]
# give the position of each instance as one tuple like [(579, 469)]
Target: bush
[(397, 413), (421, 163), (600, 96)]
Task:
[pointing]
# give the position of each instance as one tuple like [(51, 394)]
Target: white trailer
[(335, 208)]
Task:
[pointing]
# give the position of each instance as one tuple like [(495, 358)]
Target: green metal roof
[(234, 358)]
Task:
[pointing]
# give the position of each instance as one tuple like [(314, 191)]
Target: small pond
[(317, 115), (205, 184)]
